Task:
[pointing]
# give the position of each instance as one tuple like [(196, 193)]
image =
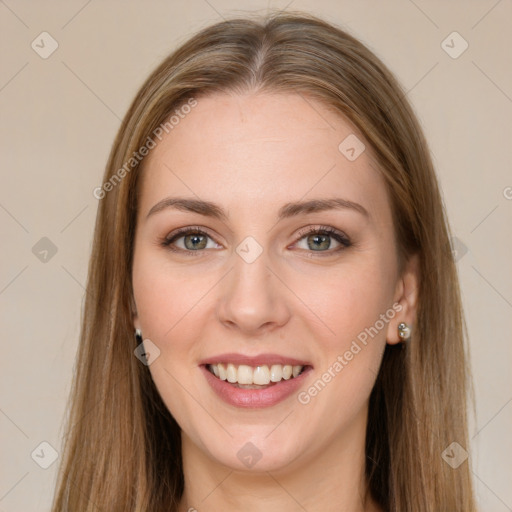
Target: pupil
[(193, 239), (326, 241)]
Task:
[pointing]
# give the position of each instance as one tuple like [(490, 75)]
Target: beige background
[(59, 117)]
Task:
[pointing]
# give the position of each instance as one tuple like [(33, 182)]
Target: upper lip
[(257, 360)]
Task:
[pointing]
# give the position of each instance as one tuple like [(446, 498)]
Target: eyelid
[(322, 228), (186, 230)]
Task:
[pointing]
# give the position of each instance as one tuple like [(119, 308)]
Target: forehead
[(259, 150)]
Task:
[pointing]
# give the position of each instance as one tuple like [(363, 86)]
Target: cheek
[(169, 304), (354, 309), (167, 297), (172, 305), (350, 350), (347, 301)]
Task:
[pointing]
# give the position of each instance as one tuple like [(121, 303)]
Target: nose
[(252, 298)]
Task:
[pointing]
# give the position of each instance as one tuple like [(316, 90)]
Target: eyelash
[(311, 230)]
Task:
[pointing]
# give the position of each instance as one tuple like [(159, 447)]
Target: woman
[(272, 318)]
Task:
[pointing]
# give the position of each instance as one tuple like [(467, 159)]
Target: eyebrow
[(293, 209)]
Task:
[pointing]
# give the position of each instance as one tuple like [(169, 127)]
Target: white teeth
[(232, 373), (276, 372), (259, 375), (244, 374), (222, 371)]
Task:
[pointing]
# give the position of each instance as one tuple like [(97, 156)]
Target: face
[(280, 258)]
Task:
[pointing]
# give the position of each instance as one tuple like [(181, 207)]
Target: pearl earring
[(404, 331)]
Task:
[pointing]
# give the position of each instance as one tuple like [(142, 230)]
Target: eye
[(188, 239), (320, 240)]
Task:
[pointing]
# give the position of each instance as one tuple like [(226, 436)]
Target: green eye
[(194, 239), (319, 240)]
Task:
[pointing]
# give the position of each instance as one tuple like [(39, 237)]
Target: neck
[(331, 480)]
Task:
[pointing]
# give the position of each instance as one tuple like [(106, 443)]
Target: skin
[(251, 154)]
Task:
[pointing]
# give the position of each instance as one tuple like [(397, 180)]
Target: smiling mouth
[(255, 377)]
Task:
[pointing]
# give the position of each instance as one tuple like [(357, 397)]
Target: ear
[(135, 316), (405, 300)]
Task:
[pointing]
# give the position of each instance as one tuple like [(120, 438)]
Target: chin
[(255, 452)]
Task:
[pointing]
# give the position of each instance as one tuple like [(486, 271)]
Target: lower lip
[(254, 398)]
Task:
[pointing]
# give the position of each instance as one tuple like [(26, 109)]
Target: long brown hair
[(122, 446)]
